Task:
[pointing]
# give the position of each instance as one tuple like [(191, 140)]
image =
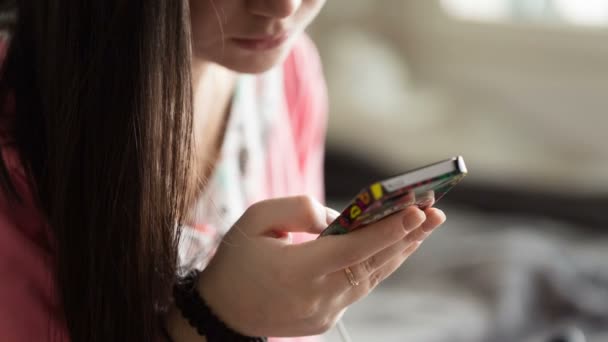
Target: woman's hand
[(260, 284)]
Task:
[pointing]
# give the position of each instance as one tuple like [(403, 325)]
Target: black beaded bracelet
[(196, 311)]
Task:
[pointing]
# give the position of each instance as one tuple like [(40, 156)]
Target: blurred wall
[(524, 103)]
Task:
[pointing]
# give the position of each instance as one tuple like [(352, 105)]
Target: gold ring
[(351, 277)]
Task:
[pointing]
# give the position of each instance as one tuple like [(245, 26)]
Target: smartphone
[(421, 187)]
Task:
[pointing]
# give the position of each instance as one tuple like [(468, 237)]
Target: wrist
[(178, 328), (189, 299), (223, 304)]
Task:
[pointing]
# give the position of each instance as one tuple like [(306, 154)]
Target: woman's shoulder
[(26, 259), (26, 265)]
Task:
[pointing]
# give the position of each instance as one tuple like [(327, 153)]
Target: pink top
[(273, 147)]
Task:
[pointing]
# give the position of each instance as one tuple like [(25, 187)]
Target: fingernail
[(441, 213)]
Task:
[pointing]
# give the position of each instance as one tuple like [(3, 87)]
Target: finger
[(284, 232), (369, 266), (352, 293), (290, 214), (434, 218), (390, 267), (363, 271), (332, 253)]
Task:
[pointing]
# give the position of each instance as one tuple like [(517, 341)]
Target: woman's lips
[(261, 43)]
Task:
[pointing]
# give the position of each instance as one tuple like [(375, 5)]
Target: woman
[(126, 119)]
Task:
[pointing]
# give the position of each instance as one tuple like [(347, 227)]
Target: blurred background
[(520, 89)]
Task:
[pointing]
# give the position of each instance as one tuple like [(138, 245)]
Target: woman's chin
[(251, 61), (257, 63)]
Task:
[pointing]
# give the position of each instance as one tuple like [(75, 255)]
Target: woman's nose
[(274, 8)]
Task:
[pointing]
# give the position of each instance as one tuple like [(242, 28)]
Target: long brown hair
[(103, 124)]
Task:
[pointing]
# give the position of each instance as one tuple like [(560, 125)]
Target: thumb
[(280, 216)]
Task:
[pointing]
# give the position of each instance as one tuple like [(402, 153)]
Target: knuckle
[(354, 257), (416, 235), (411, 249), (362, 290), (375, 279), (410, 238), (257, 206), (393, 230), (324, 324), (305, 201), (307, 310), (369, 265), (309, 207)]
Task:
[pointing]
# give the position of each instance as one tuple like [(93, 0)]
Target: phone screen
[(382, 199)]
